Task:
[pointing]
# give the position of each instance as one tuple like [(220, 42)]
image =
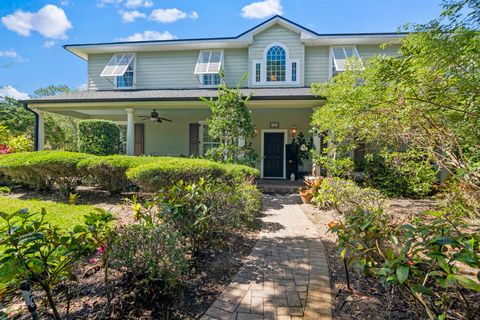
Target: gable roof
[(242, 40)]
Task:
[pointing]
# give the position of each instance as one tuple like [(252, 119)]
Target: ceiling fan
[(155, 118)]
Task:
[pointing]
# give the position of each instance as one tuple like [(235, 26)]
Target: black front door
[(273, 150)]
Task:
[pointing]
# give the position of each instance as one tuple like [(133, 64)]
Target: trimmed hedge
[(43, 170), (66, 170), (99, 137)]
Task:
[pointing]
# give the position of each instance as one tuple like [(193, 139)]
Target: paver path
[(286, 274)]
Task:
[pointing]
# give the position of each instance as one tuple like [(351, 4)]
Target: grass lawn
[(58, 214)]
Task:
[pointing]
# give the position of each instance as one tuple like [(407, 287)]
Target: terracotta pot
[(306, 196)]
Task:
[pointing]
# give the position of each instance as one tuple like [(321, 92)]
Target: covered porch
[(277, 121)]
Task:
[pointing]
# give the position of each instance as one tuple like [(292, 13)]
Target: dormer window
[(339, 57), (276, 64), (122, 67), (209, 64), (276, 68)]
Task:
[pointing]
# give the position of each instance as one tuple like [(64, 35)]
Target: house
[(138, 83)]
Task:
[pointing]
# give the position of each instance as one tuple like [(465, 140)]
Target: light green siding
[(368, 51), (278, 34), (235, 65), (168, 70), (316, 64)]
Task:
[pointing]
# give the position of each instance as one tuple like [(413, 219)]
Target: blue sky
[(32, 32)]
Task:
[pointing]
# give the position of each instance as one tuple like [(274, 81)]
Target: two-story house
[(138, 83)]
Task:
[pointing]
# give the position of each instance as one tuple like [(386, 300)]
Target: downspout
[(35, 126)]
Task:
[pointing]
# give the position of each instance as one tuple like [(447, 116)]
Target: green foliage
[(408, 174), (99, 137), (301, 148), (335, 167), (345, 196), (230, 120), (164, 172), (19, 143), (44, 169), (109, 172), (152, 258), (39, 252), (72, 198)]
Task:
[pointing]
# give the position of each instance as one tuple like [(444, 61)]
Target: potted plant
[(310, 189)]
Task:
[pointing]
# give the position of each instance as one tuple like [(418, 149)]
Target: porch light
[(293, 130), (255, 131)]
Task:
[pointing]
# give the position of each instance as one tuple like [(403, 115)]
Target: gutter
[(35, 126)]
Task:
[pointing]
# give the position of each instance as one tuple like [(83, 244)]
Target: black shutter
[(194, 139)]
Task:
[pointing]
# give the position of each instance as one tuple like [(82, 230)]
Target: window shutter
[(194, 144), (139, 139)]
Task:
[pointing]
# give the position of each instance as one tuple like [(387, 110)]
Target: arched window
[(276, 64)]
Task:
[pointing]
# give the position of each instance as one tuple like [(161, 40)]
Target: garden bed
[(367, 299), (212, 270)]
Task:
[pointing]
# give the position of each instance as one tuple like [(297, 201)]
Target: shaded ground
[(213, 270), (367, 299)]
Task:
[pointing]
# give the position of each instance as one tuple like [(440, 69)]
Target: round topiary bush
[(99, 137)]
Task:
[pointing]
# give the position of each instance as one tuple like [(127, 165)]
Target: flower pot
[(306, 196)]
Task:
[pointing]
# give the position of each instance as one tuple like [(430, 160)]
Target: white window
[(209, 64), (211, 80), (276, 68), (206, 141), (123, 138), (122, 67), (339, 56)]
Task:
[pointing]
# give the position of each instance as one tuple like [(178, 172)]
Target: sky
[(32, 32)]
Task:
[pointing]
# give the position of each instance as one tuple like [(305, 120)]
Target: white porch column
[(130, 132), (40, 130), (316, 143), (241, 142)]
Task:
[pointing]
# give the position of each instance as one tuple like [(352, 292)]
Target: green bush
[(339, 167), (346, 196), (109, 172), (99, 137), (43, 170), (408, 174), (166, 171), (151, 257)]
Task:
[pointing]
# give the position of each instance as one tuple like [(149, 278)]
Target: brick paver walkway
[(286, 274)]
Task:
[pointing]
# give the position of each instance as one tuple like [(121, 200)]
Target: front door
[(273, 152)]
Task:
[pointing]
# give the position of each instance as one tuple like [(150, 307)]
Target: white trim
[(134, 84), (263, 69), (285, 138)]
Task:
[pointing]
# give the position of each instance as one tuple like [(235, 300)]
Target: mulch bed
[(213, 270), (366, 298)]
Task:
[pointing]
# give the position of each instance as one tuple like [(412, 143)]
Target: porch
[(279, 186), (278, 115)]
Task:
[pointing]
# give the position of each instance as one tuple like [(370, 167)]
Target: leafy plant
[(39, 252), (301, 148), (99, 137), (72, 198), (335, 167)]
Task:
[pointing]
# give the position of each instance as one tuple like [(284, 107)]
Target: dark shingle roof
[(302, 93)]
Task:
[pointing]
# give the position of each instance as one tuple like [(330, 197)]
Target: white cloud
[(171, 15), (50, 22), (64, 2), (9, 54), (104, 3), (149, 35), (48, 44), (131, 16), (83, 87), (9, 91), (138, 3), (262, 9)]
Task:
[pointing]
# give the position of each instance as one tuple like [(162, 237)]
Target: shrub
[(346, 196), (335, 167), (250, 202), (400, 173), (99, 137), (152, 258), (109, 172), (166, 171), (39, 252), (44, 169)]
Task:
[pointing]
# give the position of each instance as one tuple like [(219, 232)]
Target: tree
[(231, 121), (428, 97)]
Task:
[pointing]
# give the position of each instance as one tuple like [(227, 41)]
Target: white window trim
[(331, 61), (134, 84), (200, 133), (200, 74), (263, 69)]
